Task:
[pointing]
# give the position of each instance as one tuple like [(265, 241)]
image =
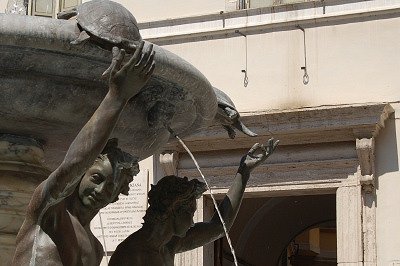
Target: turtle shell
[(108, 21)]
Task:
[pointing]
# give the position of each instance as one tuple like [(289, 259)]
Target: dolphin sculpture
[(228, 116)]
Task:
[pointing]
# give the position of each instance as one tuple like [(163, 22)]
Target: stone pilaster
[(203, 255), (366, 174), (356, 210), (169, 162), (195, 256), (348, 219), (21, 171)]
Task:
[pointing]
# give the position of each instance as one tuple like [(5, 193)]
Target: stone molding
[(322, 124), (250, 21), (327, 169), (286, 176)]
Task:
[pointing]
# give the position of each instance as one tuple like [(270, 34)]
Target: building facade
[(321, 76)]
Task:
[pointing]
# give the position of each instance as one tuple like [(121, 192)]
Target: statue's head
[(173, 199), (109, 176)]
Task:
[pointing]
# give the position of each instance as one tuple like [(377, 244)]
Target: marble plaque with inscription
[(120, 219)]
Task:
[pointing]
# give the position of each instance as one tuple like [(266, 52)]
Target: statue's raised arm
[(94, 171), (203, 233), (168, 224), (124, 83)]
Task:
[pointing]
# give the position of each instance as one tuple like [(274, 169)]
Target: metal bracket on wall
[(246, 78), (306, 78)]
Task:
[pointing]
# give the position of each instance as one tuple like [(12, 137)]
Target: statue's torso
[(143, 258), (61, 240), (134, 251)]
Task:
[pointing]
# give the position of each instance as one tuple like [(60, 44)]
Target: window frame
[(58, 6)]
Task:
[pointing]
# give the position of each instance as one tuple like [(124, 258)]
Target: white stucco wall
[(152, 10), (3, 4), (348, 63), (149, 10)]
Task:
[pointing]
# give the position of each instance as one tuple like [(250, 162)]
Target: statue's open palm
[(258, 154), (127, 80)]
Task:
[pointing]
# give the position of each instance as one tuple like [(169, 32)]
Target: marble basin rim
[(50, 88)]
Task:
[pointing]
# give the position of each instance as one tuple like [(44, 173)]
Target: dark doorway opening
[(291, 230)]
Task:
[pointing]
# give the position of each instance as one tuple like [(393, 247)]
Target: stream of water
[(213, 199), (104, 238)]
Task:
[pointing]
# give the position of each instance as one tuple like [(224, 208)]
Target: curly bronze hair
[(170, 191), (125, 166)]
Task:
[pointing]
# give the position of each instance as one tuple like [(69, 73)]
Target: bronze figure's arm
[(206, 232), (124, 83)]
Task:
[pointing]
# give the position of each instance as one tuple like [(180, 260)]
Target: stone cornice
[(299, 126), (253, 21)]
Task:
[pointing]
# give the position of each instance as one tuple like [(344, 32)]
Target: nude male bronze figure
[(56, 230), (168, 224)]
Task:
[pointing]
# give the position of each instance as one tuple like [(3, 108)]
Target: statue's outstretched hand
[(127, 80), (257, 155)]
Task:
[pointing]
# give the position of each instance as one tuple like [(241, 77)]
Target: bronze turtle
[(106, 23)]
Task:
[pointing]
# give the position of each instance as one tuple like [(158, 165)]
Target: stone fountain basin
[(50, 88)]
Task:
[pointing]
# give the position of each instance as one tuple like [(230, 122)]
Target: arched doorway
[(266, 227), (315, 246)]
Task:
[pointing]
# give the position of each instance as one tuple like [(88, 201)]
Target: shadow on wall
[(386, 153)]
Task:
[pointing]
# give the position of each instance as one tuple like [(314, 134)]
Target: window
[(267, 3), (50, 8), (231, 5), (43, 8), (68, 4)]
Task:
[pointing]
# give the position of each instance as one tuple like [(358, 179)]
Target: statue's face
[(184, 218), (97, 186)]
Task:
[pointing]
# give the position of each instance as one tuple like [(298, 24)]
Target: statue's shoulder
[(129, 253), (134, 251)]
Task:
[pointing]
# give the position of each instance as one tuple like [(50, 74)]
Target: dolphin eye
[(97, 179)]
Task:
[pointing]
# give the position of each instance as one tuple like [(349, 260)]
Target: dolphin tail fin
[(240, 126)]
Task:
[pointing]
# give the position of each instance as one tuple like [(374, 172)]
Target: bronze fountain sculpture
[(168, 224), (56, 76), (56, 230)]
